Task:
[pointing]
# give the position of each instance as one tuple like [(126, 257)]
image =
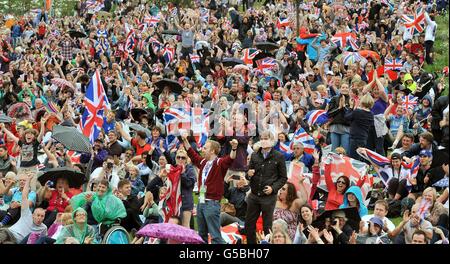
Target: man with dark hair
[(419, 237), (406, 143), (108, 172), (138, 142), (426, 143), (99, 153), (6, 164), (267, 173), (132, 205), (113, 147)]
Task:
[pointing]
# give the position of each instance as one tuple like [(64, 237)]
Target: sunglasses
[(343, 182), (181, 157)]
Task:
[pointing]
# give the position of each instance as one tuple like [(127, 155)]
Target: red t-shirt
[(58, 203), (139, 149)]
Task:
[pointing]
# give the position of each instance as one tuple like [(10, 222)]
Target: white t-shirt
[(430, 30), (113, 178), (25, 225), (390, 225)]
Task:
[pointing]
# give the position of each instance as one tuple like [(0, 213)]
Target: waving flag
[(284, 148), (249, 54), (200, 125), (130, 42), (283, 22), (170, 201), (149, 21), (318, 117), (266, 64), (156, 45), (95, 103), (174, 120), (375, 158), (415, 24), (93, 6), (204, 14), (393, 64), (300, 136), (423, 208), (442, 183), (194, 58), (168, 55), (345, 39), (230, 234), (409, 101)]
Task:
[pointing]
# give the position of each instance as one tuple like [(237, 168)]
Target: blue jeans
[(208, 221), (340, 140)]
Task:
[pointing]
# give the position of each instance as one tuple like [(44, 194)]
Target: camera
[(235, 177), (109, 165), (334, 222)]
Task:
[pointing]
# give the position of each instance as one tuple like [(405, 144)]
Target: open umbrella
[(231, 62), (138, 127), (174, 86), (351, 214), (62, 83), (352, 58), (71, 138), (74, 177), (20, 111), (178, 233), (171, 32), (5, 119), (369, 53), (76, 34), (267, 46)]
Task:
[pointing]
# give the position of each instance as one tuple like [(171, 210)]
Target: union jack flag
[(409, 101), (318, 117), (230, 234), (415, 24), (300, 136), (170, 202), (423, 208), (375, 158), (266, 64), (393, 64), (95, 103), (345, 39), (200, 125), (283, 147), (93, 6), (283, 22), (130, 42), (156, 45), (74, 156), (174, 120), (249, 55), (194, 58), (149, 21), (168, 55)]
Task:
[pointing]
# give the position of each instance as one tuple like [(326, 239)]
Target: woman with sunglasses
[(287, 207), (335, 190), (188, 180)]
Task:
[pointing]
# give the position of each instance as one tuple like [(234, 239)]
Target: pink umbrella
[(62, 83), (241, 67), (171, 231)]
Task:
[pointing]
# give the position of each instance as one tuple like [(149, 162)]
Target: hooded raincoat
[(356, 191), (75, 231)]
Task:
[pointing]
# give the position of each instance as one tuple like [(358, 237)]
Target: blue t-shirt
[(108, 126), (17, 196), (379, 107), (395, 122)]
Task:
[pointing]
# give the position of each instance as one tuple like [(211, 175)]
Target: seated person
[(80, 231), (132, 205), (58, 199)]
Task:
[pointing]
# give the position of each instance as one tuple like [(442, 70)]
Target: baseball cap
[(330, 73), (396, 156), (425, 153), (377, 221)]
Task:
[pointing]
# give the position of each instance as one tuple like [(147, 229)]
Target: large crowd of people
[(248, 121)]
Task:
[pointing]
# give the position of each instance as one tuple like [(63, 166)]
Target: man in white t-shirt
[(28, 222), (380, 211)]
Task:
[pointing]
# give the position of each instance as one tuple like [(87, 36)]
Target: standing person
[(267, 172), (430, 34), (339, 127), (361, 121), (212, 170)]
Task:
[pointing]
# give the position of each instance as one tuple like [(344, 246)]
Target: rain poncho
[(150, 103), (412, 87), (356, 191), (75, 231), (105, 209)]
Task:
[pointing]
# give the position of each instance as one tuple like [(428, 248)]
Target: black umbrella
[(261, 56), (76, 34), (138, 127), (171, 32), (136, 113), (231, 62), (71, 138), (174, 86), (351, 214), (266, 46), (75, 178)]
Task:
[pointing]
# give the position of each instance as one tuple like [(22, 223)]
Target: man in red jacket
[(212, 171)]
